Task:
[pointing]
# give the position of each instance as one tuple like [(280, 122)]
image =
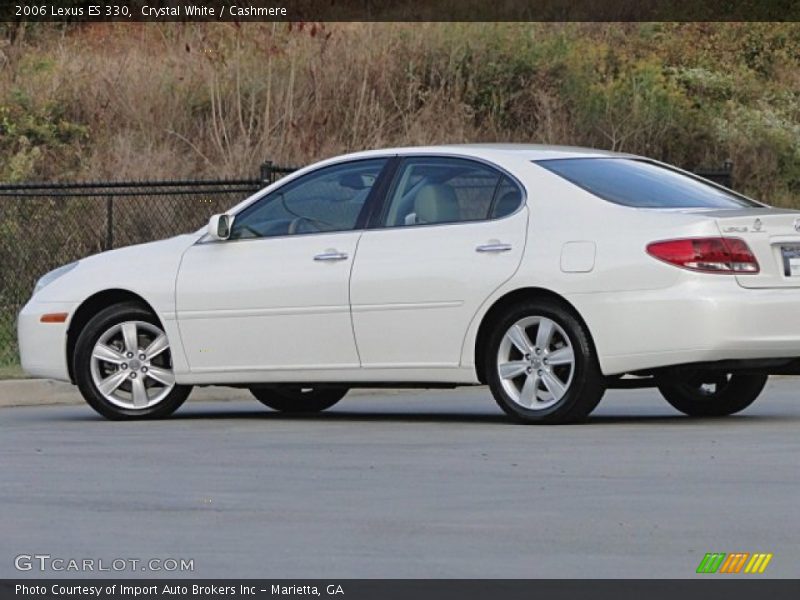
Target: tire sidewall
[(741, 391), (586, 372), (280, 399), (87, 339)]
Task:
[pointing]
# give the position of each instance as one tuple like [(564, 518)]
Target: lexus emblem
[(757, 226), (797, 225)]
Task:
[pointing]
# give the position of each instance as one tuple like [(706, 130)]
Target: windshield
[(643, 184)]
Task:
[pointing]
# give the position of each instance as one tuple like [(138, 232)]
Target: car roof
[(491, 152), (494, 151)]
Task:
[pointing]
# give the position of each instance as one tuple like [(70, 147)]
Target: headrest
[(436, 203)]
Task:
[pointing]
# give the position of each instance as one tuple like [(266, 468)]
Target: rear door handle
[(494, 247), (331, 255)]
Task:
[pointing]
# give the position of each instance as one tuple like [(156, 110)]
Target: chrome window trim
[(523, 192), (204, 239)]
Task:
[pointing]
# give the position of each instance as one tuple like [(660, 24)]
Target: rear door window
[(643, 184), (435, 190)]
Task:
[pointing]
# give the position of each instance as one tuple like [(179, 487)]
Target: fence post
[(722, 175), (728, 166), (266, 171), (109, 222)]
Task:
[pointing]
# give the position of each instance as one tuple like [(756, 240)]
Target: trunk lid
[(773, 235)]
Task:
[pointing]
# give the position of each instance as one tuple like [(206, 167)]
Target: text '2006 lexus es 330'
[(548, 273)]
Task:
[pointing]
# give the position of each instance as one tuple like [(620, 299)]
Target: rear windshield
[(642, 184)]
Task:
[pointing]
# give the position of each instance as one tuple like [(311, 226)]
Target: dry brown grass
[(182, 100), (209, 100)]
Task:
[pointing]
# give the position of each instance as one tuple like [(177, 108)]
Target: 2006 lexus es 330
[(548, 273)]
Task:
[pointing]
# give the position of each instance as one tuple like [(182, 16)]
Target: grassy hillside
[(176, 100)]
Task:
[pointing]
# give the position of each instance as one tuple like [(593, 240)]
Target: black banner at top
[(396, 10)]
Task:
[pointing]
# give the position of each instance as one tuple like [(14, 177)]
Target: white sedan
[(548, 273)]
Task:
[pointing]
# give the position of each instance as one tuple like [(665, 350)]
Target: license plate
[(791, 260)]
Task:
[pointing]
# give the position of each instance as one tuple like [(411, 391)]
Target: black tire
[(587, 384), (91, 333), (298, 399), (691, 392)]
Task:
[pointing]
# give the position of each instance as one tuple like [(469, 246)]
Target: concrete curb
[(44, 392), (31, 392)]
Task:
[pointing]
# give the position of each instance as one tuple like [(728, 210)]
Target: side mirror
[(219, 227)]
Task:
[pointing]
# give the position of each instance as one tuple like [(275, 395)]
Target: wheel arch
[(509, 299), (90, 307)]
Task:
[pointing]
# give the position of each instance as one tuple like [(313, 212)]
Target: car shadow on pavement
[(498, 419), (349, 416), (440, 417)]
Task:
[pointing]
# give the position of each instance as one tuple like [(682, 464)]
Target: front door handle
[(494, 247), (331, 255)]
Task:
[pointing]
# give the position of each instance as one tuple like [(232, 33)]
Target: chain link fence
[(43, 226)]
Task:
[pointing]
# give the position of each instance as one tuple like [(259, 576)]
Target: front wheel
[(298, 399), (712, 393), (541, 365), (123, 365)]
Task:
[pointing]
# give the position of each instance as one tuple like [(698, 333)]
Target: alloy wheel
[(536, 363), (131, 365)]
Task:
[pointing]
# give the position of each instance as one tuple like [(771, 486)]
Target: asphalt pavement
[(404, 484)]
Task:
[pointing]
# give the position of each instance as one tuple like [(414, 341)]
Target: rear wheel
[(298, 399), (712, 393), (123, 365), (541, 365)]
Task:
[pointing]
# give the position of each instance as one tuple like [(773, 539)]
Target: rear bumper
[(43, 346), (703, 319)]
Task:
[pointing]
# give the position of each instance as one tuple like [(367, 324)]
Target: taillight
[(709, 255)]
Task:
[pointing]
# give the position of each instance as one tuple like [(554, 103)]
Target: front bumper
[(43, 346)]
